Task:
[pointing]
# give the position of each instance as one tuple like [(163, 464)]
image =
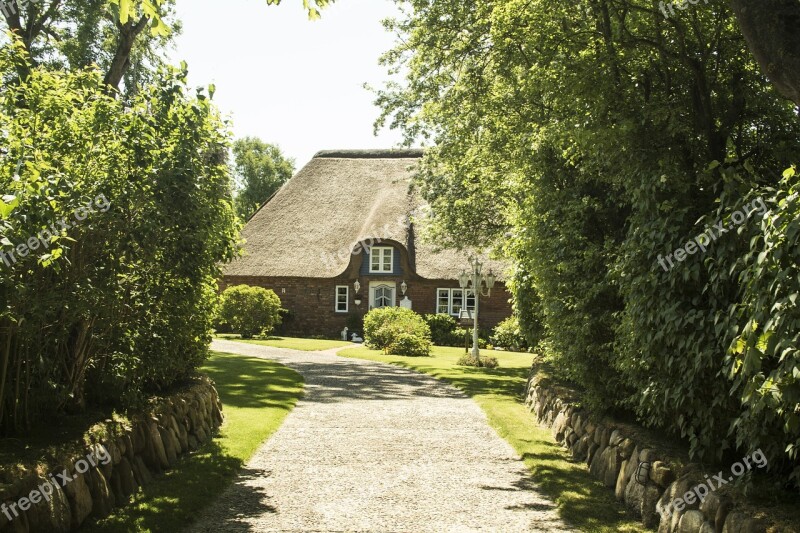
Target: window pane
[(458, 301), (443, 301), (375, 257), (471, 300), (387, 260), (342, 298)]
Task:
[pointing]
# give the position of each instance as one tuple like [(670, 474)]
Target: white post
[(476, 352)]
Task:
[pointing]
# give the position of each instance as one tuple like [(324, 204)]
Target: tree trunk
[(770, 29), (128, 33)]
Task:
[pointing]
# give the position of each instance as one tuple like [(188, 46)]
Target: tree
[(770, 29), (260, 169), (75, 34), (585, 139)]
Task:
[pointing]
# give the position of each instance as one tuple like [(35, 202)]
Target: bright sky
[(287, 80)]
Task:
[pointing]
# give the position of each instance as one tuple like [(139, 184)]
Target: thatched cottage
[(339, 239)]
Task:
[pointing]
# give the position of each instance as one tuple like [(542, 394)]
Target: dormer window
[(381, 259)]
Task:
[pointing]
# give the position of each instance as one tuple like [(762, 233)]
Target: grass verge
[(291, 343), (257, 395), (582, 501)]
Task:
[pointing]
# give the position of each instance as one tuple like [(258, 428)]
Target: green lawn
[(582, 501), (256, 395), (292, 343)]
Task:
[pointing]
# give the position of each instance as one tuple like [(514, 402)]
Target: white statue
[(344, 334), (357, 339)]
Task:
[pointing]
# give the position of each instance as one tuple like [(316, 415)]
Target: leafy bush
[(411, 345), (764, 357), (445, 331), (250, 310), (443, 328), (125, 296), (507, 334), (481, 362), (387, 329)]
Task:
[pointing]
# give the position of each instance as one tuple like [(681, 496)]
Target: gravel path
[(373, 447)]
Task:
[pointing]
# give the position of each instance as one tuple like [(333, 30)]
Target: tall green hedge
[(120, 302), (590, 139)]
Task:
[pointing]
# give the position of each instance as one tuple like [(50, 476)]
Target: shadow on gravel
[(341, 382), (250, 502)]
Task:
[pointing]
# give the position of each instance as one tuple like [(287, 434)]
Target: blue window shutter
[(365, 263)]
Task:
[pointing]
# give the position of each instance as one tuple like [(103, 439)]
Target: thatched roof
[(311, 226)]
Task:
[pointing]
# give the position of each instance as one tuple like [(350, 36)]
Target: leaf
[(124, 11), (7, 205), (159, 28), (763, 341)]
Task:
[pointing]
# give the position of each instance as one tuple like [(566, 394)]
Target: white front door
[(381, 294)]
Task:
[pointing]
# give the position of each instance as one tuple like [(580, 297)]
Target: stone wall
[(127, 455), (613, 453)]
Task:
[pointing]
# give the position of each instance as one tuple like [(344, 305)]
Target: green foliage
[(509, 335), (260, 169), (250, 310), (313, 7), (126, 40), (443, 328), (485, 361), (119, 303), (445, 331), (581, 138), (527, 307), (764, 358), (412, 345), (397, 331)]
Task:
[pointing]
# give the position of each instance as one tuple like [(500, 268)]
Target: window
[(451, 301), (381, 260), (342, 298), (383, 296)]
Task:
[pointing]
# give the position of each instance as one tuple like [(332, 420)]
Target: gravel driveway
[(373, 447)]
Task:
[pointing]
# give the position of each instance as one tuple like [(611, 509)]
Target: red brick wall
[(311, 301)]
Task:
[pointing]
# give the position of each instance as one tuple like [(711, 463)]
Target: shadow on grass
[(194, 481), (256, 396), (508, 382), (241, 382)]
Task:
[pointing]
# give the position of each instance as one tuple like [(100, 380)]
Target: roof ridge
[(387, 153)]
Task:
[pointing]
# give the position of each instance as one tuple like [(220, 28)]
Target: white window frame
[(465, 296), (346, 302), (380, 252)]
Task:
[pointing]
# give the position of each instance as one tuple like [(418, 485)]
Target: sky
[(287, 80)]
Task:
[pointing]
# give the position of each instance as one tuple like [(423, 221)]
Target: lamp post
[(476, 280)]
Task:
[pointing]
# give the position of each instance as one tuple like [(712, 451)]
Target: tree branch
[(128, 33), (770, 29)]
